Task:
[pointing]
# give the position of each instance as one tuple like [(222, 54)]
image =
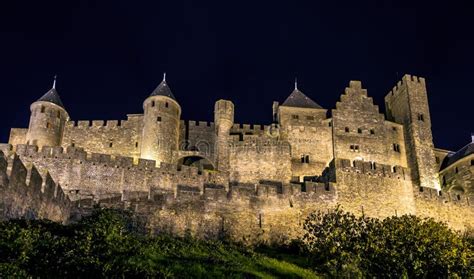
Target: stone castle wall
[(253, 160), (85, 175), (28, 194)]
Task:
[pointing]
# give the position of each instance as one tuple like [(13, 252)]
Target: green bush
[(341, 244)]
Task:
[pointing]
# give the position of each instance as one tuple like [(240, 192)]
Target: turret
[(47, 120), (161, 125), (224, 120), (407, 104)]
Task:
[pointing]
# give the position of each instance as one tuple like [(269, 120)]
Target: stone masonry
[(245, 180)]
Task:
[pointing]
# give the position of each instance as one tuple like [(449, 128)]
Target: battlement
[(26, 192), (132, 118), (97, 159), (193, 123), (248, 127), (402, 83), (372, 169), (443, 197)]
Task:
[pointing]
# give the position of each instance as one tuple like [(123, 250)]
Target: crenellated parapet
[(28, 194), (402, 83), (372, 169), (444, 198)]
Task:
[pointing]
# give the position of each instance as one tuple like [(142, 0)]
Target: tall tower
[(160, 125), (47, 120), (407, 104), (224, 120)]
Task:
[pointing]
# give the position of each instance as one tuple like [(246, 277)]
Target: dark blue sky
[(109, 55)]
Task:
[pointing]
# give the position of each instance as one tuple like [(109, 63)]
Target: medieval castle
[(249, 181)]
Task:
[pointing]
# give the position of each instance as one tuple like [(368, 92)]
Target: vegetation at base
[(113, 243), (342, 245)]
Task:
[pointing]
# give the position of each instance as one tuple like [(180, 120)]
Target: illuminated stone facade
[(253, 180)]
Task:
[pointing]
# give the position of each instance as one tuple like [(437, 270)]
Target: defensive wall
[(28, 194)]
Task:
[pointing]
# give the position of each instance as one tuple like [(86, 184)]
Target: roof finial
[(54, 81), (296, 83), (164, 76)]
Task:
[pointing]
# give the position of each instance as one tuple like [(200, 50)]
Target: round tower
[(224, 120), (161, 118), (47, 120)]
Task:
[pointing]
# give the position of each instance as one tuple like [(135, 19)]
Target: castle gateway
[(249, 181)]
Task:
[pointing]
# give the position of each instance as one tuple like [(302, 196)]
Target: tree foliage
[(341, 244)]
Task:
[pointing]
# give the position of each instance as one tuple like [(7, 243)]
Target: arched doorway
[(196, 161)]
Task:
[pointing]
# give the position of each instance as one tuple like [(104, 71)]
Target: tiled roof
[(52, 96), (163, 90), (300, 100), (454, 157)]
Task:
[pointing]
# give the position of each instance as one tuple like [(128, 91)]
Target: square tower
[(407, 104)]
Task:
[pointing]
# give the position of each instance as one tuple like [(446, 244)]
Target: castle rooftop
[(299, 100), (52, 96), (163, 90)]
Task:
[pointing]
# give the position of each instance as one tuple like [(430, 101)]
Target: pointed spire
[(52, 95), (54, 81), (299, 100), (163, 89)]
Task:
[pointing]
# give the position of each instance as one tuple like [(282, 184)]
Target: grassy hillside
[(109, 244), (113, 244)]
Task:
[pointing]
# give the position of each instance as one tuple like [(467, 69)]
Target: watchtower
[(407, 104), (47, 120), (160, 133)]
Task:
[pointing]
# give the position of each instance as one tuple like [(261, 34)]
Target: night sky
[(110, 55)]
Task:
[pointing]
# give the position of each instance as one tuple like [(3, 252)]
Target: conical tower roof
[(299, 100), (52, 96), (163, 90)]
